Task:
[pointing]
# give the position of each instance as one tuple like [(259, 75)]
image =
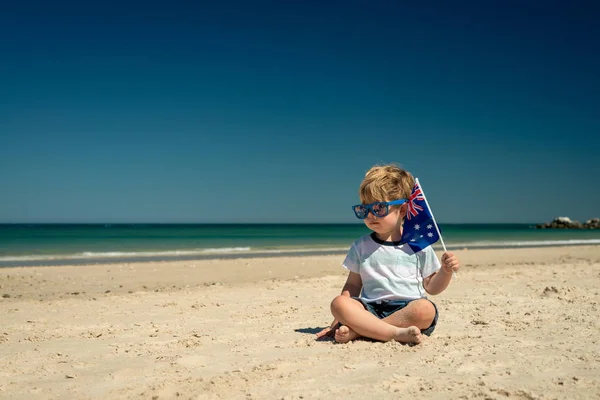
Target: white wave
[(526, 243), (125, 254), (225, 250), (249, 250)]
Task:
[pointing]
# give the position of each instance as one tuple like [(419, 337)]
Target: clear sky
[(272, 111)]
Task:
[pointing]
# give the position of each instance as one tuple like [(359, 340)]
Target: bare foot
[(407, 335), (344, 334)]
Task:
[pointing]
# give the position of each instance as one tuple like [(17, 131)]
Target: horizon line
[(244, 223)]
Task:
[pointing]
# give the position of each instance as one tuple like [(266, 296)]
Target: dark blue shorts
[(387, 308)]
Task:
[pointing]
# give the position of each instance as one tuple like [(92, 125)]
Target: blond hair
[(386, 183)]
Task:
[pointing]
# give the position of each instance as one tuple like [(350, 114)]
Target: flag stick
[(434, 221)]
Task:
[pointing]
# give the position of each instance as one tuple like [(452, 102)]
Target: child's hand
[(329, 331), (450, 262), (326, 332)]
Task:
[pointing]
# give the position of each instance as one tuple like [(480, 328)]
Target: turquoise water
[(36, 244)]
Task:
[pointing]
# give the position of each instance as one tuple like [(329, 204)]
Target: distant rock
[(564, 220), (567, 223)]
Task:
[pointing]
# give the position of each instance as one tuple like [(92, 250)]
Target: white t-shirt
[(389, 270)]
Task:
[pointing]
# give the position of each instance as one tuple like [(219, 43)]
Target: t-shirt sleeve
[(429, 262), (352, 261)]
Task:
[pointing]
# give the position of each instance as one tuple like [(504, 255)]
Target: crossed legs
[(403, 326)]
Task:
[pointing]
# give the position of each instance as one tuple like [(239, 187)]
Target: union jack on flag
[(419, 229), (414, 207)]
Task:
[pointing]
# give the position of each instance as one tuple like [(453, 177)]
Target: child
[(384, 297)]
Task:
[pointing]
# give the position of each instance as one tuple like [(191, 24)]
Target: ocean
[(58, 244)]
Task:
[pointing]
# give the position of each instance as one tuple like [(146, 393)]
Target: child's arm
[(437, 282), (353, 285), (351, 288)]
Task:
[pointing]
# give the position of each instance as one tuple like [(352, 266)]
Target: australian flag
[(419, 230)]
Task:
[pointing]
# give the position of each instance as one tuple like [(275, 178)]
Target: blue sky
[(256, 111)]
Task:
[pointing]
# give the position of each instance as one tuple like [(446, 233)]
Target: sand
[(517, 323)]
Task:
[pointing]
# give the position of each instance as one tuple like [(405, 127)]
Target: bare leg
[(360, 322), (419, 313)]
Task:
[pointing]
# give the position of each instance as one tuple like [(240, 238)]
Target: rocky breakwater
[(567, 223)]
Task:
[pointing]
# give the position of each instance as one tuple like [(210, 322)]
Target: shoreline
[(90, 260)]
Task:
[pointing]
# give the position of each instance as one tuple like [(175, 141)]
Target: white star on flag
[(429, 226), (430, 234), (417, 227)]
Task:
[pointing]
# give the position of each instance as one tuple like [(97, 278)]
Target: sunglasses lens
[(360, 211), (380, 209)]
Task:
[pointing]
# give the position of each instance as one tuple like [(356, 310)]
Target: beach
[(518, 323)]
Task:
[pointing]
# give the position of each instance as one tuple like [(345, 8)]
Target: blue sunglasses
[(379, 209)]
